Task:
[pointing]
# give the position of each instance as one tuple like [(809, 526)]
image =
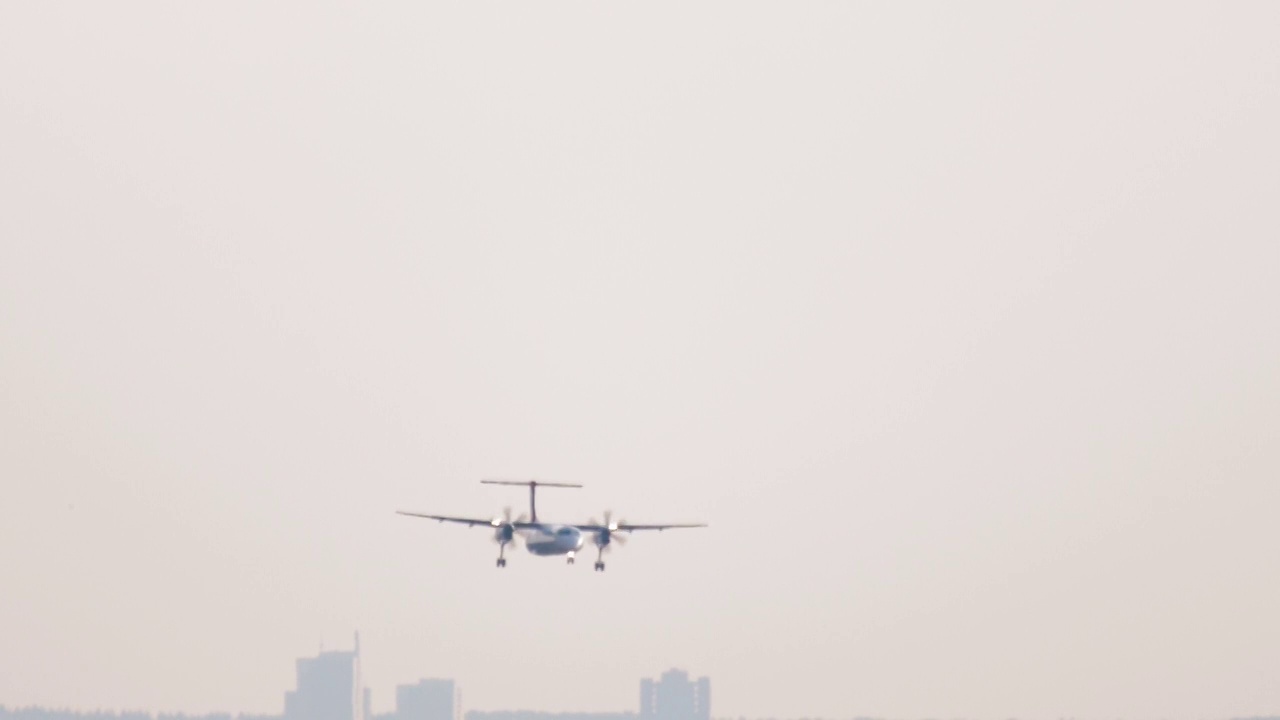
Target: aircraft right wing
[(445, 518)]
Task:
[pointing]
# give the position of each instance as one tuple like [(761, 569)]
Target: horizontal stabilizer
[(529, 483)]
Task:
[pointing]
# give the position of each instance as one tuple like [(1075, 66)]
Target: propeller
[(607, 536), (504, 526)]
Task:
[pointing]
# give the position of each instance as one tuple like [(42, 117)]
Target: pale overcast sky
[(959, 323)]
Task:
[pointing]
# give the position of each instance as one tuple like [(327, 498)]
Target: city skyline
[(331, 686)]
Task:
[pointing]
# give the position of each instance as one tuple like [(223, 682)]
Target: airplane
[(549, 539)]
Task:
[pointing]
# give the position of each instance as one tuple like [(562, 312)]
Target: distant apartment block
[(329, 688), (427, 700), (675, 697)]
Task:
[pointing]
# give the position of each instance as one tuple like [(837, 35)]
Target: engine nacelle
[(505, 533)]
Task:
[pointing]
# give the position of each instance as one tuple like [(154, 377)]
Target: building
[(675, 697), (427, 700), (329, 688)]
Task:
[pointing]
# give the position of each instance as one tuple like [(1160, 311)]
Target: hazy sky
[(960, 324)]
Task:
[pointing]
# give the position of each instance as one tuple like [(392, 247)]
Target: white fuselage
[(548, 539)]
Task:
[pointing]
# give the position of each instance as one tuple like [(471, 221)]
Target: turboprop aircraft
[(543, 538)]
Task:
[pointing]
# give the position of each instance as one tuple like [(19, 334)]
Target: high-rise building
[(675, 697), (329, 688), (427, 700)]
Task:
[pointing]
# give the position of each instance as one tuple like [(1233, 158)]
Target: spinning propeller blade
[(504, 528), (607, 537)]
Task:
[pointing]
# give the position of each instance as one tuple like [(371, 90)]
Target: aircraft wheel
[(600, 567), (502, 562)]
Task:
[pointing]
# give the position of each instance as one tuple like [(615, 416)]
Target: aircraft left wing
[(628, 527)]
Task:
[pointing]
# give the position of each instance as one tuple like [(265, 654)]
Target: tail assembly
[(533, 486)]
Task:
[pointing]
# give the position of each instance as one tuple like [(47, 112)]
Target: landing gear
[(502, 551), (502, 562), (599, 566), (570, 558)]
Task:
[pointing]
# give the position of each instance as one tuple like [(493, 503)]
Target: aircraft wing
[(628, 527), (467, 522)]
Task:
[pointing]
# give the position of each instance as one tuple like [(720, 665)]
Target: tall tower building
[(427, 700), (329, 688), (675, 697)]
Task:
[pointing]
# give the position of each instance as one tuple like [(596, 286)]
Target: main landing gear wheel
[(599, 566), (502, 562)]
